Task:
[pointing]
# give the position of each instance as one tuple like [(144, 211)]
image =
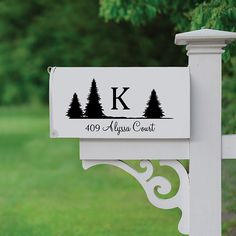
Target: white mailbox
[(144, 113), (120, 103)]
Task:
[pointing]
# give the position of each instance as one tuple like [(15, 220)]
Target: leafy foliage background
[(38, 34)]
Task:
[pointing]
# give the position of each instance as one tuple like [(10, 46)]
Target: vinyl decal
[(94, 108)]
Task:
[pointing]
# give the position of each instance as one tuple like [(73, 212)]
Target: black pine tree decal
[(153, 109), (75, 112), (94, 108)]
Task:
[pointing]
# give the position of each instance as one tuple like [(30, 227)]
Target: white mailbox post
[(157, 132), (204, 51)]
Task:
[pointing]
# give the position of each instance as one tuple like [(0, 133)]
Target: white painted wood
[(152, 184), (94, 149), (229, 146), (204, 36), (206, 147), (123, 117), (204, 51), (112, 149)]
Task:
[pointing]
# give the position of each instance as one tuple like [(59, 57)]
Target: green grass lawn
[(44, 191)]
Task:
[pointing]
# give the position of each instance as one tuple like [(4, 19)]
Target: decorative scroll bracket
[(160, 184)]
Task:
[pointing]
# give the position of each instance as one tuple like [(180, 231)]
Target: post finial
[(205, 41), (205, 35)]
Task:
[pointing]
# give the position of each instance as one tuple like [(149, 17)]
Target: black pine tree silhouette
[(153, 109), (94, 108), (75, 111)]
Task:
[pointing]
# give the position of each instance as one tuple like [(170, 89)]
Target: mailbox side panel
[(120, 103)]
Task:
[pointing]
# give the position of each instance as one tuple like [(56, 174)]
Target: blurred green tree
[(38, 33)]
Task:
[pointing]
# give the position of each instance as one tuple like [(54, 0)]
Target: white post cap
[(205, 36), (205, 41)]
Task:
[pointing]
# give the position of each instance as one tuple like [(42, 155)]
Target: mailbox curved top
[(205, 36)]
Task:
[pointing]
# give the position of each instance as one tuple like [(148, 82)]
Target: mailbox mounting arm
[(159, 184)]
